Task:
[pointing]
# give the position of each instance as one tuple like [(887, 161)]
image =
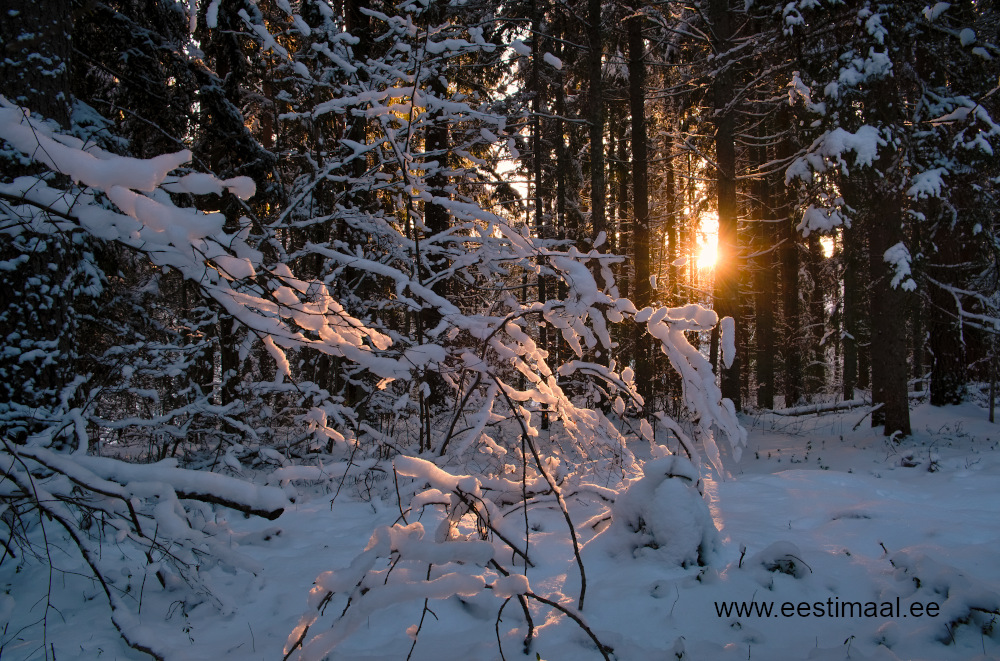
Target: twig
[(423, 614), (29, 488), (601, 647), (524, 606), (526, 438), (858, 423), (497, 627), (467, 500)]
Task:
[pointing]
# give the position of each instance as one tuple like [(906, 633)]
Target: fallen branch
[(830, 407)]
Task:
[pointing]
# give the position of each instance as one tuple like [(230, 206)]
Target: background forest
[(249, 243)]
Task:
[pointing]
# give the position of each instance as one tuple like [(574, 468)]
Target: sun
[(708, 254), (708, 242)]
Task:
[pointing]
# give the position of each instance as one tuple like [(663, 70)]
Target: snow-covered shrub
[(662, 515), (160, 519), (963, 602), (462, 547), (782, 558), (165, 519)]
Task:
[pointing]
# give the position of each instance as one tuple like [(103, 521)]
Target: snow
[(933, 13), (660, 516), (92, 167), (830, 149), (817, 513), (520, 47), (727, 338), (198, 183), (822, 219), (359, 552), (212, 15), (927, 184), (185, 238), (899, 258)]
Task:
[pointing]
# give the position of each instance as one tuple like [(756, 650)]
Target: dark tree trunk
[(852, 307), (537, 158), (765, 285), (889, 303), (598, 186), (640, 196), (727, 290), (947, 346), (918, 337), (670, 209), (887, 310), (792, 336), (816, 370), (788, 257)]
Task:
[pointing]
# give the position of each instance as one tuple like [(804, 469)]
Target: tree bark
[(888, 344), (947, 345), (727, 293), (598, 186), (816, 369), (889, 303), (640, 196), (765, 285), (790, 310), (851, 312), (537, 158)]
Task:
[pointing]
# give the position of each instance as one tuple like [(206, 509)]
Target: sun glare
[(707, 254), (828, 246), (708, 241)]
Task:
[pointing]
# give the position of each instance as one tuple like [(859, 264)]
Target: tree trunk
[(816, 370), (727, 292), (598, 186), (670, 208), (888, 305), (852, 264), (948, 365), (765, 285), (640, 196), (536, 165)]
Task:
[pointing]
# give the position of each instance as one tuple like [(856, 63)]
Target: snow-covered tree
[(894, 139)]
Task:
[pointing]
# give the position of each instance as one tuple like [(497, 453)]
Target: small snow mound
[(663, 516), (962, 600), (781, 557)]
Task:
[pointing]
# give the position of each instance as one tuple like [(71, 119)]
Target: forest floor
[(817, 516)]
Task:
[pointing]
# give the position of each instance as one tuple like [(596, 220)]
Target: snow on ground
[(817, 514)]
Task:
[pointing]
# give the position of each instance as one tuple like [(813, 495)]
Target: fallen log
[(830, 407)]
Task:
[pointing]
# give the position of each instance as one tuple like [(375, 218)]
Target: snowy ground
[(816, 513)]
